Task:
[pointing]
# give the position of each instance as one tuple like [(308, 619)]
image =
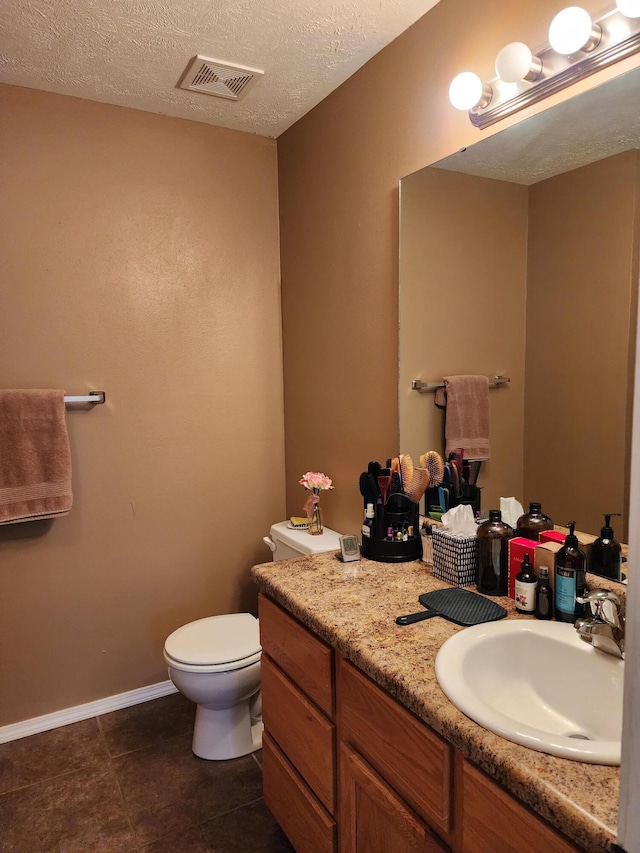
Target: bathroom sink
[(537, 684)]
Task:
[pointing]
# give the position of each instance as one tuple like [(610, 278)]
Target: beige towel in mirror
[(466, 400)]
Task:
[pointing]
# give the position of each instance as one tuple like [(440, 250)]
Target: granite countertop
[(353, 607)]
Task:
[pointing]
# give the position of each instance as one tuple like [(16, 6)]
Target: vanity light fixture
[(467, 91), (630, 8), (516, 62), (572, 30), (577, 48)]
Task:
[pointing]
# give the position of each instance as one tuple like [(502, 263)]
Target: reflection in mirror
[(519, 256)]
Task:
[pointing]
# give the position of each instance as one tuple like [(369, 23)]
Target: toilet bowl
[(215, 662)]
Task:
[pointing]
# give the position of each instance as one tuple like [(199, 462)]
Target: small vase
[(315, 522)]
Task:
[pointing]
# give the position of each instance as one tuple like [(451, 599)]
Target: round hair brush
[(406, 470), (418, 484), (434, 464)]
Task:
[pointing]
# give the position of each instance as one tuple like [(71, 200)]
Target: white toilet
[(215, 662)]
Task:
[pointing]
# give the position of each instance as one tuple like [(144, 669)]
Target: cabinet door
[(489, 818), (415, 761), (373, 819)]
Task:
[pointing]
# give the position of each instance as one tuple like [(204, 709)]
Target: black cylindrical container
[(493, 555)]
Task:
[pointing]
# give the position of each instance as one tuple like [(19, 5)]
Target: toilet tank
[(287, 542)]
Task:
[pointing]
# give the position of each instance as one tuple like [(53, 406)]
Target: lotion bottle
[(571, 564), (606, 553), (368, 525)]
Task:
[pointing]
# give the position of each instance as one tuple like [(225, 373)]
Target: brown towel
[(466, 399), (35, 460)]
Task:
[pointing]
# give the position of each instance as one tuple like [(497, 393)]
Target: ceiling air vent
[(221, 79)]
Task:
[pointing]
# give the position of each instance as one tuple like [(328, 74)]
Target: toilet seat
[(215, 644)]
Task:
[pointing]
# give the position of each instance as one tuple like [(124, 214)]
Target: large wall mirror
[(519, 256)]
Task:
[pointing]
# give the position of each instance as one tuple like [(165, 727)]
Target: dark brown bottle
[(544, 595), (526, 586), (571, 564), (533, 523), (606, 553), (493, 555)]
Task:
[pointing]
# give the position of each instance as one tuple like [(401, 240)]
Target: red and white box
[(518, 547)]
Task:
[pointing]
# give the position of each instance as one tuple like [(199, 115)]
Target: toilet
[(215, 662)]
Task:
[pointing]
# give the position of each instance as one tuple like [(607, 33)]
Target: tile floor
[(127, 782)]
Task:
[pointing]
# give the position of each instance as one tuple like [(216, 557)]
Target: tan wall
[(139, 255), (339, 169), (463, 274), (582, 281)]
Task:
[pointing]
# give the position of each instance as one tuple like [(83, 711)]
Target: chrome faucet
[(604, 627)]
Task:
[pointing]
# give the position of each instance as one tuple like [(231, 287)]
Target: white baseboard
[(84, 712)]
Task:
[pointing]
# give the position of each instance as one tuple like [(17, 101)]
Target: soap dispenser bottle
[(571, 564), (493, 555), (606, 553), (533, 523)]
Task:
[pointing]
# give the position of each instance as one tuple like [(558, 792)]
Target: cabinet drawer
[(305, 735), (491, 819), (415, 761), (305, 659), (305, 823)]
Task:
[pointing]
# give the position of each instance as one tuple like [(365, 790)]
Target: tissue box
[(455, 558)]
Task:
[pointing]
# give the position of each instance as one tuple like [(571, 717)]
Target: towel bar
[(426, 387), (91, 397)]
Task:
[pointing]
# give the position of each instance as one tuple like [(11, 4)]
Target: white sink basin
[(537, 684)]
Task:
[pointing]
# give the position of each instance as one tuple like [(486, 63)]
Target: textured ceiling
[(133, 52), (593, 125)]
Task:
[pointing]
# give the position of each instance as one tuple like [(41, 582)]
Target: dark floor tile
[(79, 812), (250, 827), (49, 754), (167, 789), (148, 723)]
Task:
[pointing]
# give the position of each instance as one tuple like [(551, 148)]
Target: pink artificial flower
[(316, 480)]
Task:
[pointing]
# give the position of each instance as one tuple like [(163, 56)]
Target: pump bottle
[(571, 564), (606, 553)]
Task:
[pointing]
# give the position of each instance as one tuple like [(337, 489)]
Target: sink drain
[(578, 736)]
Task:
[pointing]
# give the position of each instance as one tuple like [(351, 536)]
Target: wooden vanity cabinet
[(488, 818), (348, 768), (299, 740), (398, 749)]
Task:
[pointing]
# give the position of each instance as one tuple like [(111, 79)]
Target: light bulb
[(572, 30), (629, 8), (516, 62), (467, 91)]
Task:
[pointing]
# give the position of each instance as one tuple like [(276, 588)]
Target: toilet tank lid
[(215, 639), (302, 541)]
